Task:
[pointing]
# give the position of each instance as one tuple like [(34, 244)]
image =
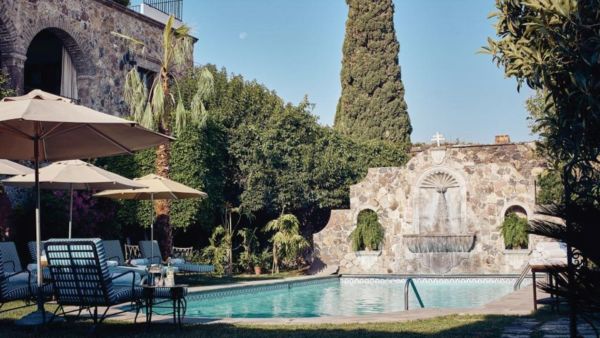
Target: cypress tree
[(372, 105)]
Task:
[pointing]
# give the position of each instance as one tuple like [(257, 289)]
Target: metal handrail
[(522, 276), (409, 281)]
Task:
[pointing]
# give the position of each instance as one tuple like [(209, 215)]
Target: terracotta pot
[(257, 270)]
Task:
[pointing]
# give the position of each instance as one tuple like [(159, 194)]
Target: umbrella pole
[(151, 227), (38, 231), (71, 210), (39, 316)]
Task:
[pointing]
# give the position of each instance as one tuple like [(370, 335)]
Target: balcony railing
[(169, 7)]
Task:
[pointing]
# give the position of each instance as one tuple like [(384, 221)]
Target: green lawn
[(449, 326)]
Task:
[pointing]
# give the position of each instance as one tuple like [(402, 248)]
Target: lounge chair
[(15, 283), (80, 278), (33, 254), (116, 261), (151, 252), (33, 251)]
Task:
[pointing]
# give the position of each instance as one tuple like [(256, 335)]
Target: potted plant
[(261, 261), (257, 265), (515, 229), (368, 234)]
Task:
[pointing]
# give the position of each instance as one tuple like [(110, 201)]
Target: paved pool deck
[(518, 303)]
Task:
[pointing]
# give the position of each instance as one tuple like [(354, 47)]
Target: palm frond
[(181, 116), (135, 94), (157, 102)]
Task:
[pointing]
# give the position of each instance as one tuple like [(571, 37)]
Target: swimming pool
[(345, 296)]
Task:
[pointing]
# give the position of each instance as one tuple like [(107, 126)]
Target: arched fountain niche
[(440, 214)]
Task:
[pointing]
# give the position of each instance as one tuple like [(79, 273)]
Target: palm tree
[(287, 241), (160, 106)]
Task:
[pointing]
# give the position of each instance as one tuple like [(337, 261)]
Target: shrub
[(368, 233), (514, 229)]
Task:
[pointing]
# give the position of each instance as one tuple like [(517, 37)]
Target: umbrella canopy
[(64, 130), (76, 175), (41, 126), (159, 188), (11, 168), (73, 175)]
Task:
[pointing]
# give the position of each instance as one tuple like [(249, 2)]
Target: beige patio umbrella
[(11, 168), (74, 175), (41, 126), (158, 188)]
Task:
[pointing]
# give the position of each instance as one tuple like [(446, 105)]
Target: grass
[(447, 326)]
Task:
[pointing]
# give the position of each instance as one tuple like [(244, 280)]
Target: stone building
[(67, 47), (441, 212)]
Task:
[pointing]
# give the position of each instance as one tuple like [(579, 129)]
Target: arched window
[(49, 66)]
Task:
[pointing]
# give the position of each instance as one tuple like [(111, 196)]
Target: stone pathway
[(560, 328), (556, 328), (521, 328)]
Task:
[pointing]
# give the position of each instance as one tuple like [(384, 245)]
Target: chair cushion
[(18, 279), (110, 263), (195, 267), (176, 261), (126, 279), (139, 261), (33, 268)]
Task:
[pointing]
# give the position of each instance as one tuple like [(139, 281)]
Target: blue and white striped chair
[(80, 278), (32, 267), (155, 257), (15, 283), (116, 260)]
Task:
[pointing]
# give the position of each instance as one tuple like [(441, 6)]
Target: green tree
[(549, 183), (552, 46), (217, 250), (161, 107), (372, 105), (287, 241)]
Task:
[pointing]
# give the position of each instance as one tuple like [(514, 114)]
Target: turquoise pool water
[(345, 297)]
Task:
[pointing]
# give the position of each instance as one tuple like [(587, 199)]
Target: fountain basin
[(439, 243)]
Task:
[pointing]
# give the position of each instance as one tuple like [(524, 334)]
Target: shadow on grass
[(447, 326)]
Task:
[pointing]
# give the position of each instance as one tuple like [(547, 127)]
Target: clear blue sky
[(294, 47)]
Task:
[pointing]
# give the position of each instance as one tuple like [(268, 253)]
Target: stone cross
[(438, 138)]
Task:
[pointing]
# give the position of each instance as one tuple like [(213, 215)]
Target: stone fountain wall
[(479, 183)]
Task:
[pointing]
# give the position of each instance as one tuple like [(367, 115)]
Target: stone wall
[(482, 183), (84, 27)]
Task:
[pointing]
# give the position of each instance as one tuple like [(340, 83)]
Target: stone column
[(13, 64)]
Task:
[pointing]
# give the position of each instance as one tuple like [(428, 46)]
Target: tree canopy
[(257, 152), (372, 105)]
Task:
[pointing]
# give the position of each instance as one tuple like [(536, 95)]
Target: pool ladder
[(522, 276), (409, 281)]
